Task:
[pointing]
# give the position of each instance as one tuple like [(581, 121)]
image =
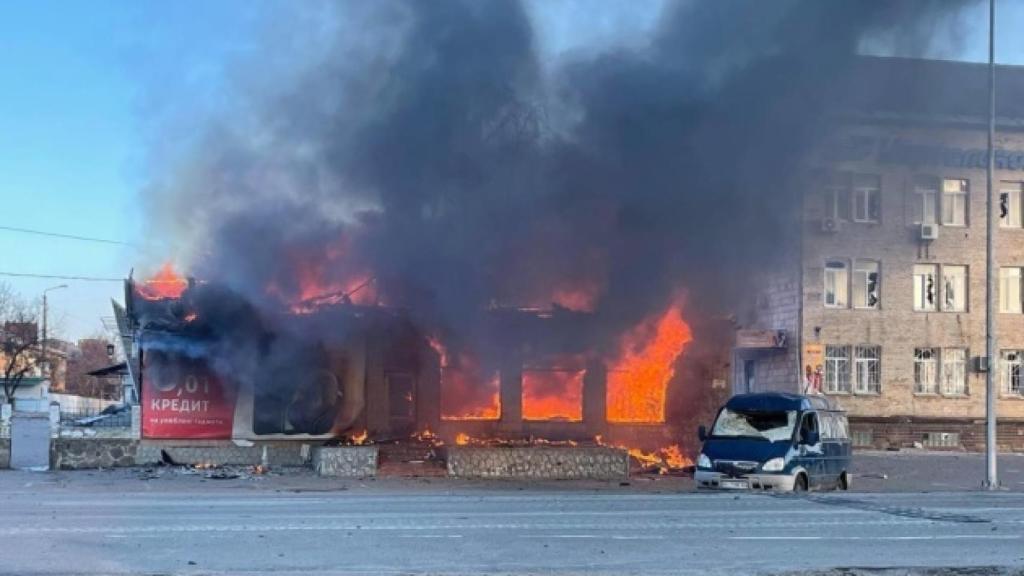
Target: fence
[(113, 416)]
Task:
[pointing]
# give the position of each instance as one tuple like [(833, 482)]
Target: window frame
[(963, 194), (1013, 190), (839, 366), (964, 289), (873, 367), (932, 363), (844, 285), (1005, 372), (935, 292), (926, 193), (1003, 297), (855, 280), (945, 361), (869, 193)]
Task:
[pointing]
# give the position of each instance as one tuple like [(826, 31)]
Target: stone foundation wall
[(224, 452), (348, 461), (904, 432), (538, 462), (5, 453), (81, 453)]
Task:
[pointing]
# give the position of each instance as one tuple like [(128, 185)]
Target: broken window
[(924, 201), (1010, 213), (866, 292), (954, 288), (867, 201), (954, 371), (867, 373), (924, 287), (837, 369), (926, 377), (954, 202), (1010, 362), (1009, 290), (836, 283)]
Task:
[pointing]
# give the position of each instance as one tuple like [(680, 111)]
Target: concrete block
[(538, 462), (346, 461)]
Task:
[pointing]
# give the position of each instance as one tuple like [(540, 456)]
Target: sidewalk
[(907, 471)]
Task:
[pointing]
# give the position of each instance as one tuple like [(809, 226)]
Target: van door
[(810, 457)]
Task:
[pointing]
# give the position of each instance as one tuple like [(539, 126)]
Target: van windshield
[(771, 426)]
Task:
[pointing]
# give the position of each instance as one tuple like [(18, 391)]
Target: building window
[(954, 371), (1009, 290), (837, 196), (926, 371), (836, 283), (1010, 214), (837, 369), (867, 373), (954, 202), (954, 288), (925, 200), (867, 201), (1010, 371), (866, 293), (924, 287)]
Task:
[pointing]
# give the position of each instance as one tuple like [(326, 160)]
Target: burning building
[(459, 231)]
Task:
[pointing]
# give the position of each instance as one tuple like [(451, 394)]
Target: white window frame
[(837, 196), (954, 197), (862, 271), (867, 369), (1010, 292), (926, 370), (1011, 198), (837, 369), (864, 195), (926, 200), (962, 289), (954, 372), (1011, 372), (921, 272), (839, 278)]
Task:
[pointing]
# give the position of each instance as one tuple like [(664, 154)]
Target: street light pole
[(46, 367), (991, 477)]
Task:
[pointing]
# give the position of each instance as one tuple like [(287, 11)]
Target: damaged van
[(776, 441)]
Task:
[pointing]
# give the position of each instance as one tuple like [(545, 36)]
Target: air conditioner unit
[(830, 225), (929, 231)]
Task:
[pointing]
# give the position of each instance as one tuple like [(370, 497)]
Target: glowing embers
[(554, 392), (468, 390), (638, 378), (165, 284)]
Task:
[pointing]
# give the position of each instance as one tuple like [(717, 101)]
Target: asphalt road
[(457, 530)]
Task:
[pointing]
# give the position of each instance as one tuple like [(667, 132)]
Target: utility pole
[(46, 367), (991, 477)]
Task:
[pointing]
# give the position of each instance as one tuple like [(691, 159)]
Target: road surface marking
[(938, 537)]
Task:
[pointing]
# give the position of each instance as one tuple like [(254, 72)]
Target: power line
[(60, 277), (65, 236)]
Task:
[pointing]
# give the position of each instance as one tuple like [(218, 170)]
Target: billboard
[(183, 398)]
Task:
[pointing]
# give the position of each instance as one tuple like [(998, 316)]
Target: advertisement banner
[(183, 398), (814, 367)]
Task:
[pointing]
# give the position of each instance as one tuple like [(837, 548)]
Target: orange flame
[(165, 284), (360, 438), (553, 395), (639, 378), (468, 392)]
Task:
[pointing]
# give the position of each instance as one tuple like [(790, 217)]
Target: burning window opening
[(468, 390), (638, 380), (552, 394)]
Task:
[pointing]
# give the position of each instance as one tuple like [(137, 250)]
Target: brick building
[(883, 305)]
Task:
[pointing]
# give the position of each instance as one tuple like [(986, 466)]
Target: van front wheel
[(800, 485), (844, 481)]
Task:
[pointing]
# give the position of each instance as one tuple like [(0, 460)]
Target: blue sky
[(87, 88)]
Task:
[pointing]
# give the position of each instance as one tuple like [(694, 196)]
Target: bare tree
[(19, 341)]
